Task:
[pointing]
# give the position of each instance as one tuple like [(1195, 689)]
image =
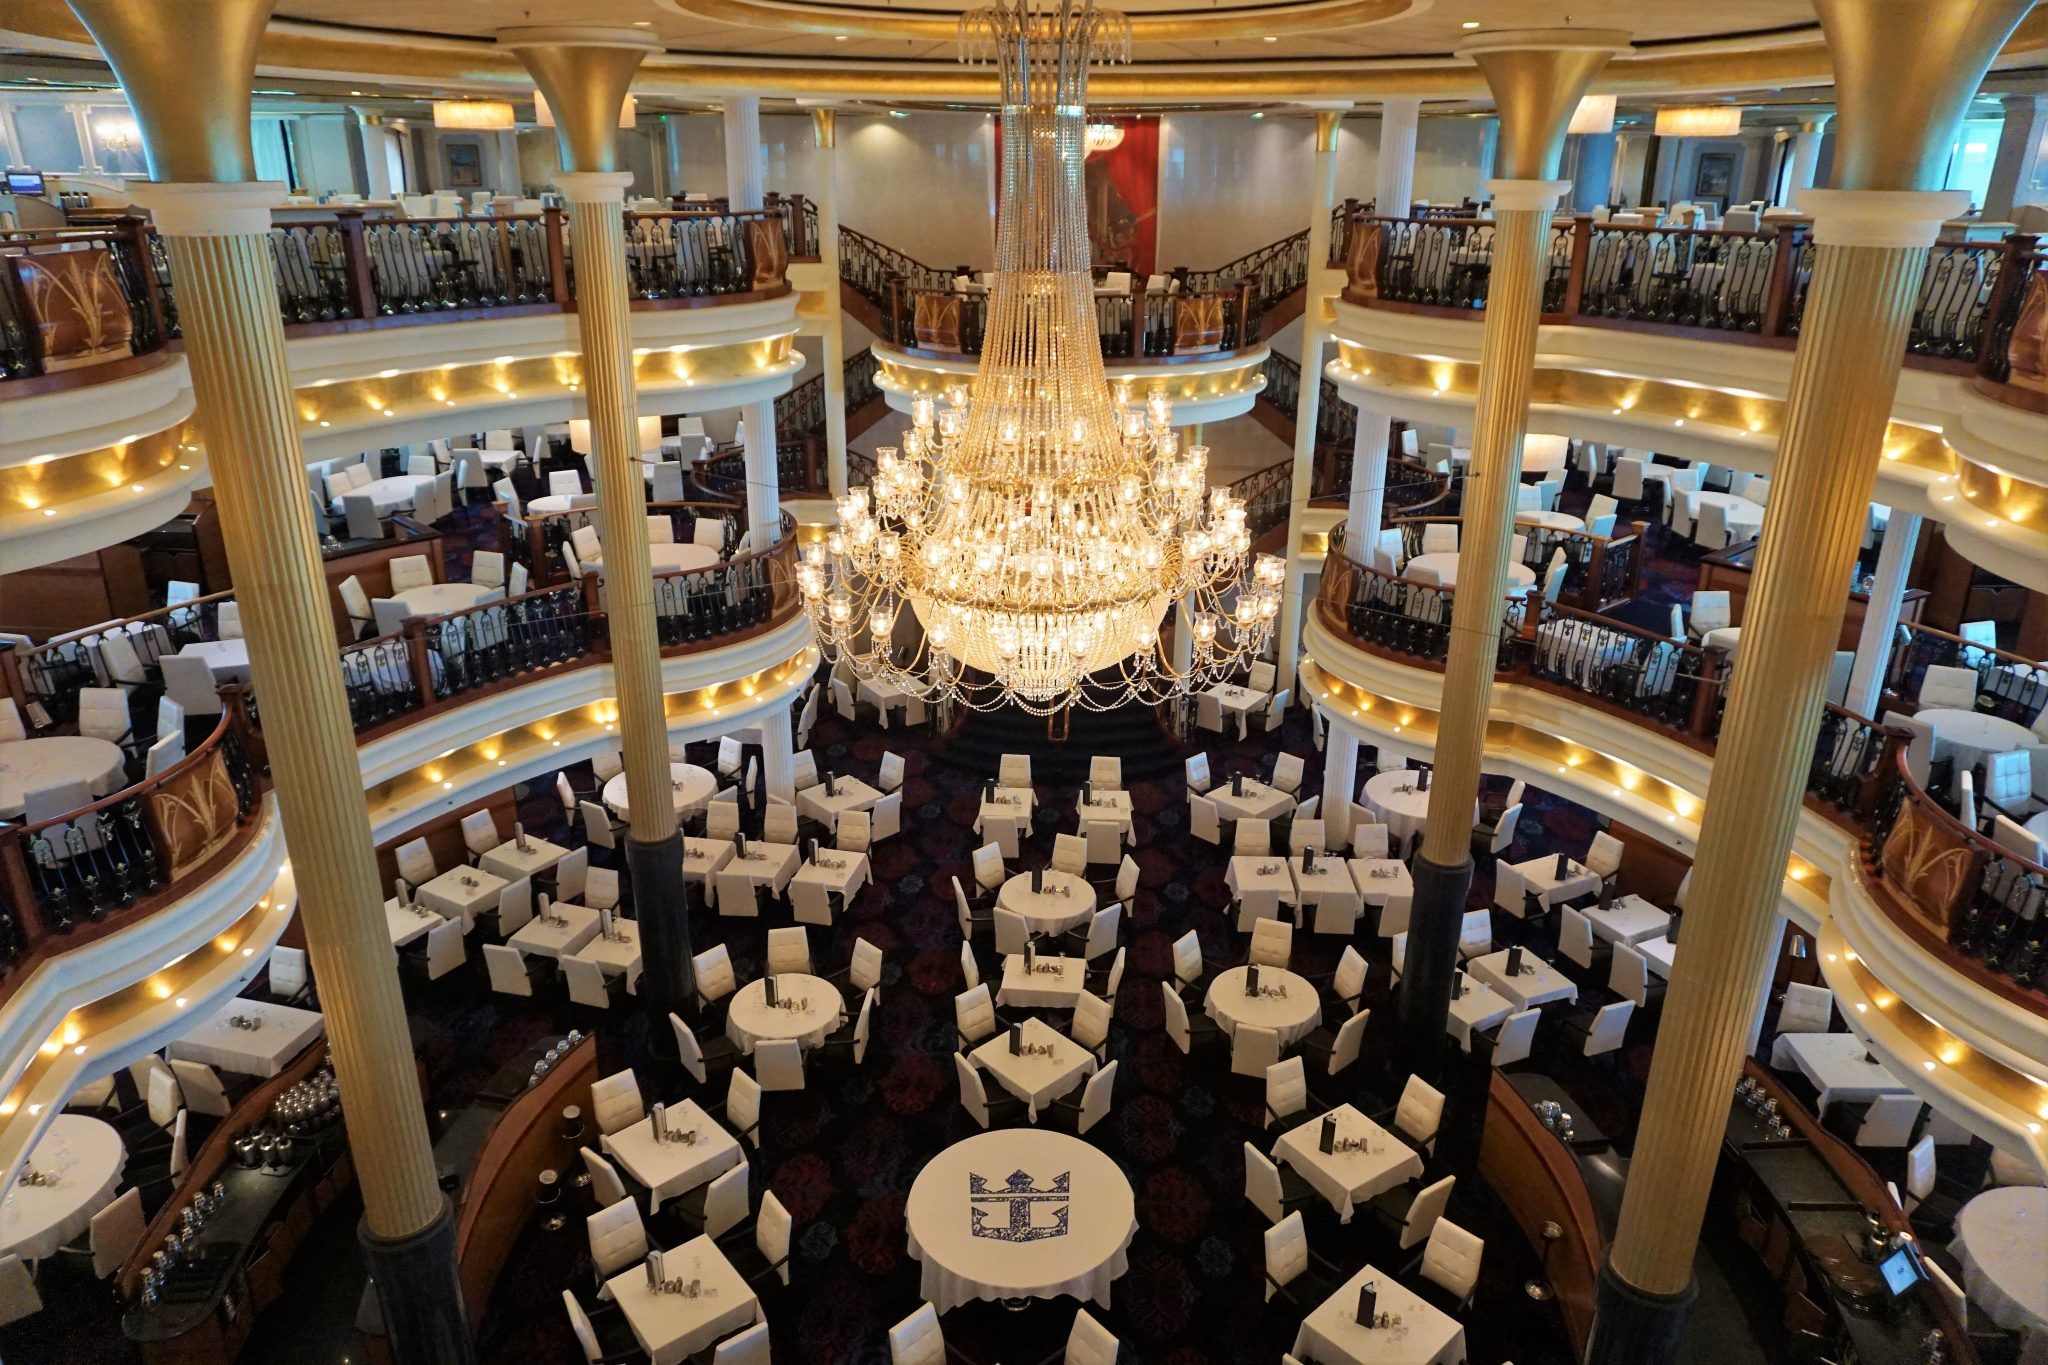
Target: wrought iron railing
[(128, 853), (870, 267), (1739, 282), (353, 269), (116, 654), (2010, 686), (1336, 420)]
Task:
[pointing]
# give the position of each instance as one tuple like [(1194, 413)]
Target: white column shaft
[(1368, 485), (1394, 180), (744, 172), (1340, 783), (764, 483), (1881, 615)]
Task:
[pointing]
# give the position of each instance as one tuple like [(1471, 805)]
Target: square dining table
[(408, 923), (1037, 1080), (464, 891), (617, 956), (282, 1033), (848, 793), (668, 1169), (512, 862), (1425, 1335), (1043, 989), (1480, 1006), (537, 936), (1348, 1178), (1629, 919), (671, 1327), (1538, 983)]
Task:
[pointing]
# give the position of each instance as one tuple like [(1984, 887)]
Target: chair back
[(713, 972), (1177, 1027), (1272, 943), (507, 969), (1428, 1206), (617, 1238), (743, 1105), (1286, 1082), (789, 950), (1307, 834), (1102, 930), (1254, 838), (615, 1102), (1262, 1187), (749, 1347), (1517, 1038), (1628, 974), (779, 1064), (416, 862), (1610, 1027), (1090, 1343), (1890, 1121), (737, 895), (117, 1230), (605, 1185), (988, 867), (1475, 933), (1350, 1040), (1286, 1251), (1197, 766), (973, 1094), (19, 1297), (1420, 1111), (854, 832), (1920, 1170), (200, 1085), (917, 1339), (1106, 772), (165, 1103), (974, 1014), (480, 832), (1204, 821), (1451, 1259), (1807, 1009), (288, 978), (1015, 770)]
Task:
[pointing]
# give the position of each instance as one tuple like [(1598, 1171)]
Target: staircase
[(1131, 732)]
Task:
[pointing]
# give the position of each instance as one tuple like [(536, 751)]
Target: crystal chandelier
[(1038, 526), (1104, 137)]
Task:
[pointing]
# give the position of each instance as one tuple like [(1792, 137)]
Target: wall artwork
[(1713, 176), (465, 165)]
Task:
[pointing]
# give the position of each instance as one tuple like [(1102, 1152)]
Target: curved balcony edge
[(1950, 454), (1204, 388)]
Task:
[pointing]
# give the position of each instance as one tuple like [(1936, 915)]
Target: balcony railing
[(352, 271), (1182, 314), (1695, 280), (103, 277), (98, 869), (2009, 686)]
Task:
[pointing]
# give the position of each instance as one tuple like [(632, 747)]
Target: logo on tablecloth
[(1034, 1214)]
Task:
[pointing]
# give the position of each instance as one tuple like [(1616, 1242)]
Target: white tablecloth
[(1480, 1007), (1065, 1227), (1520, 576), (393, 494), (1967, 736), (842, 872), (1550, 521), (766, 864), (703, 857), (1066, 902), (1332, 877), (1835, 1063), (508, 862), (1036, 1080), (1111, 806), (1660, 952), (86, 1156), (537, 936), (285, 1032), (1401, 805), (1538, 984), (1347, 1179), (1042, 989), (1331, 1334), (2002, 1241), (1293, 1015), (748, 1019), (1580, 652), (692, 787), (1240, 702), (1745, 519), (407, 923), (673, 558), (849, 793), (229, 659), (1630, 919), (439, 599), (669, 1326), (1395, 891), (1540, 875), (1257, 802), (668, 1169), (464, 891), (28, 764), (1260, 882), (618, 956)]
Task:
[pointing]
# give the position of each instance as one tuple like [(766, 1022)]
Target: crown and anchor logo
[(1034, 1215)]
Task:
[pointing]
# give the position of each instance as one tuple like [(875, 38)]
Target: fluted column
[(585, 74), (1904, 74), (1340, 783), (1537, 78), (745, 186), (1393, 192), (764, 480), (1315, 329), (215, 221), (825, 123), (1368, 485), (1881, 612), (1805, 159), (778, 756)]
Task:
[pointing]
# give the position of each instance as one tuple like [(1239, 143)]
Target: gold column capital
[(194, 115), (825, 125), (1903, 75), (1537, 77), (1327, 123), (585, 74)]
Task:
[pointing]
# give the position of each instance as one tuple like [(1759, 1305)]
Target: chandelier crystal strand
[(1038, 525)]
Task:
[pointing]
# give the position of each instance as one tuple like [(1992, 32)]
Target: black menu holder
[(1422, 780), (1671, 928), (1514, 961), (988, 793), (1564, 867), (1251, 980), (1087, 793), (1237, 784), (1368, 1305), (740, 841), (1606, 895), (1328, 1141), (1457, 985), (1308, 861), (768, 985), (831, 785), (1016, 1040), (1037, 880)]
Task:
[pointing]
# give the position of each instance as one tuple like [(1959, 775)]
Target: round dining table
[(1444, 564), (1286, 1003), (85, 1157), (389, 495), (693, 787), (28, 764), (1550, 521), (1064, 901), (1401, 804), (1970, 736), (2000, 1237), (750, 1019), (677, 558), (1020, 1213)]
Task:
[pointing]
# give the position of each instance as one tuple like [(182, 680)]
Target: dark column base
[(1632, 1327), (420, 1294), (662, 903), (1423, 1003)]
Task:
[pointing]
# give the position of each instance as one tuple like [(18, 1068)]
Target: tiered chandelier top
[(1040, 526)]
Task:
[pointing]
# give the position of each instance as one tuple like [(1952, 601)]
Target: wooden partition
[(1729, 571), (1538, 1178), (444, 835), (372, 565), (498, 1196)]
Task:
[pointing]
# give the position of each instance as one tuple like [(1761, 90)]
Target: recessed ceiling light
[(355, 92), (839, 37), (643, 23), (1271, 39), (1470, 23)]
